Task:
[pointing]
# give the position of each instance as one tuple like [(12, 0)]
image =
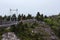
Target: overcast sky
[(47, 7)]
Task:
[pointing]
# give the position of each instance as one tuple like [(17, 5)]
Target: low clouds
[(47, 7)]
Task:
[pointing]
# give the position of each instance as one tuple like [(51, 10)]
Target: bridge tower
[(13, 11)]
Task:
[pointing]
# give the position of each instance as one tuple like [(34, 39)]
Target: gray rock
[(9, 36)]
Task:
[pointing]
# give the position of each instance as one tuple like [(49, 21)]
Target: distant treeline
[(22, 17)]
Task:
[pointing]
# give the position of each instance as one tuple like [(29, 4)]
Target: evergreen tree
[(29, 16), (19, 17), (5, 18), (38, 16), (41, 17), (24, 17), (1, 19), (14, 17), (45, 16), (8, 18)]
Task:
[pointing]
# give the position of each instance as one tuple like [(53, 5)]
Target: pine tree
[(8, 18), (24, 17), (5, 18), (38, 16), (19, 17), (14, 17), (29, 16)]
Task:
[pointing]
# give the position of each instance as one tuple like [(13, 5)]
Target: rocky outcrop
[(9, 36)]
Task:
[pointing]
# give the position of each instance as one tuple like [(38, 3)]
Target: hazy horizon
[(46, 7)]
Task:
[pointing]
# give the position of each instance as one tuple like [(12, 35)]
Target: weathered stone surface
[(9, 36)]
